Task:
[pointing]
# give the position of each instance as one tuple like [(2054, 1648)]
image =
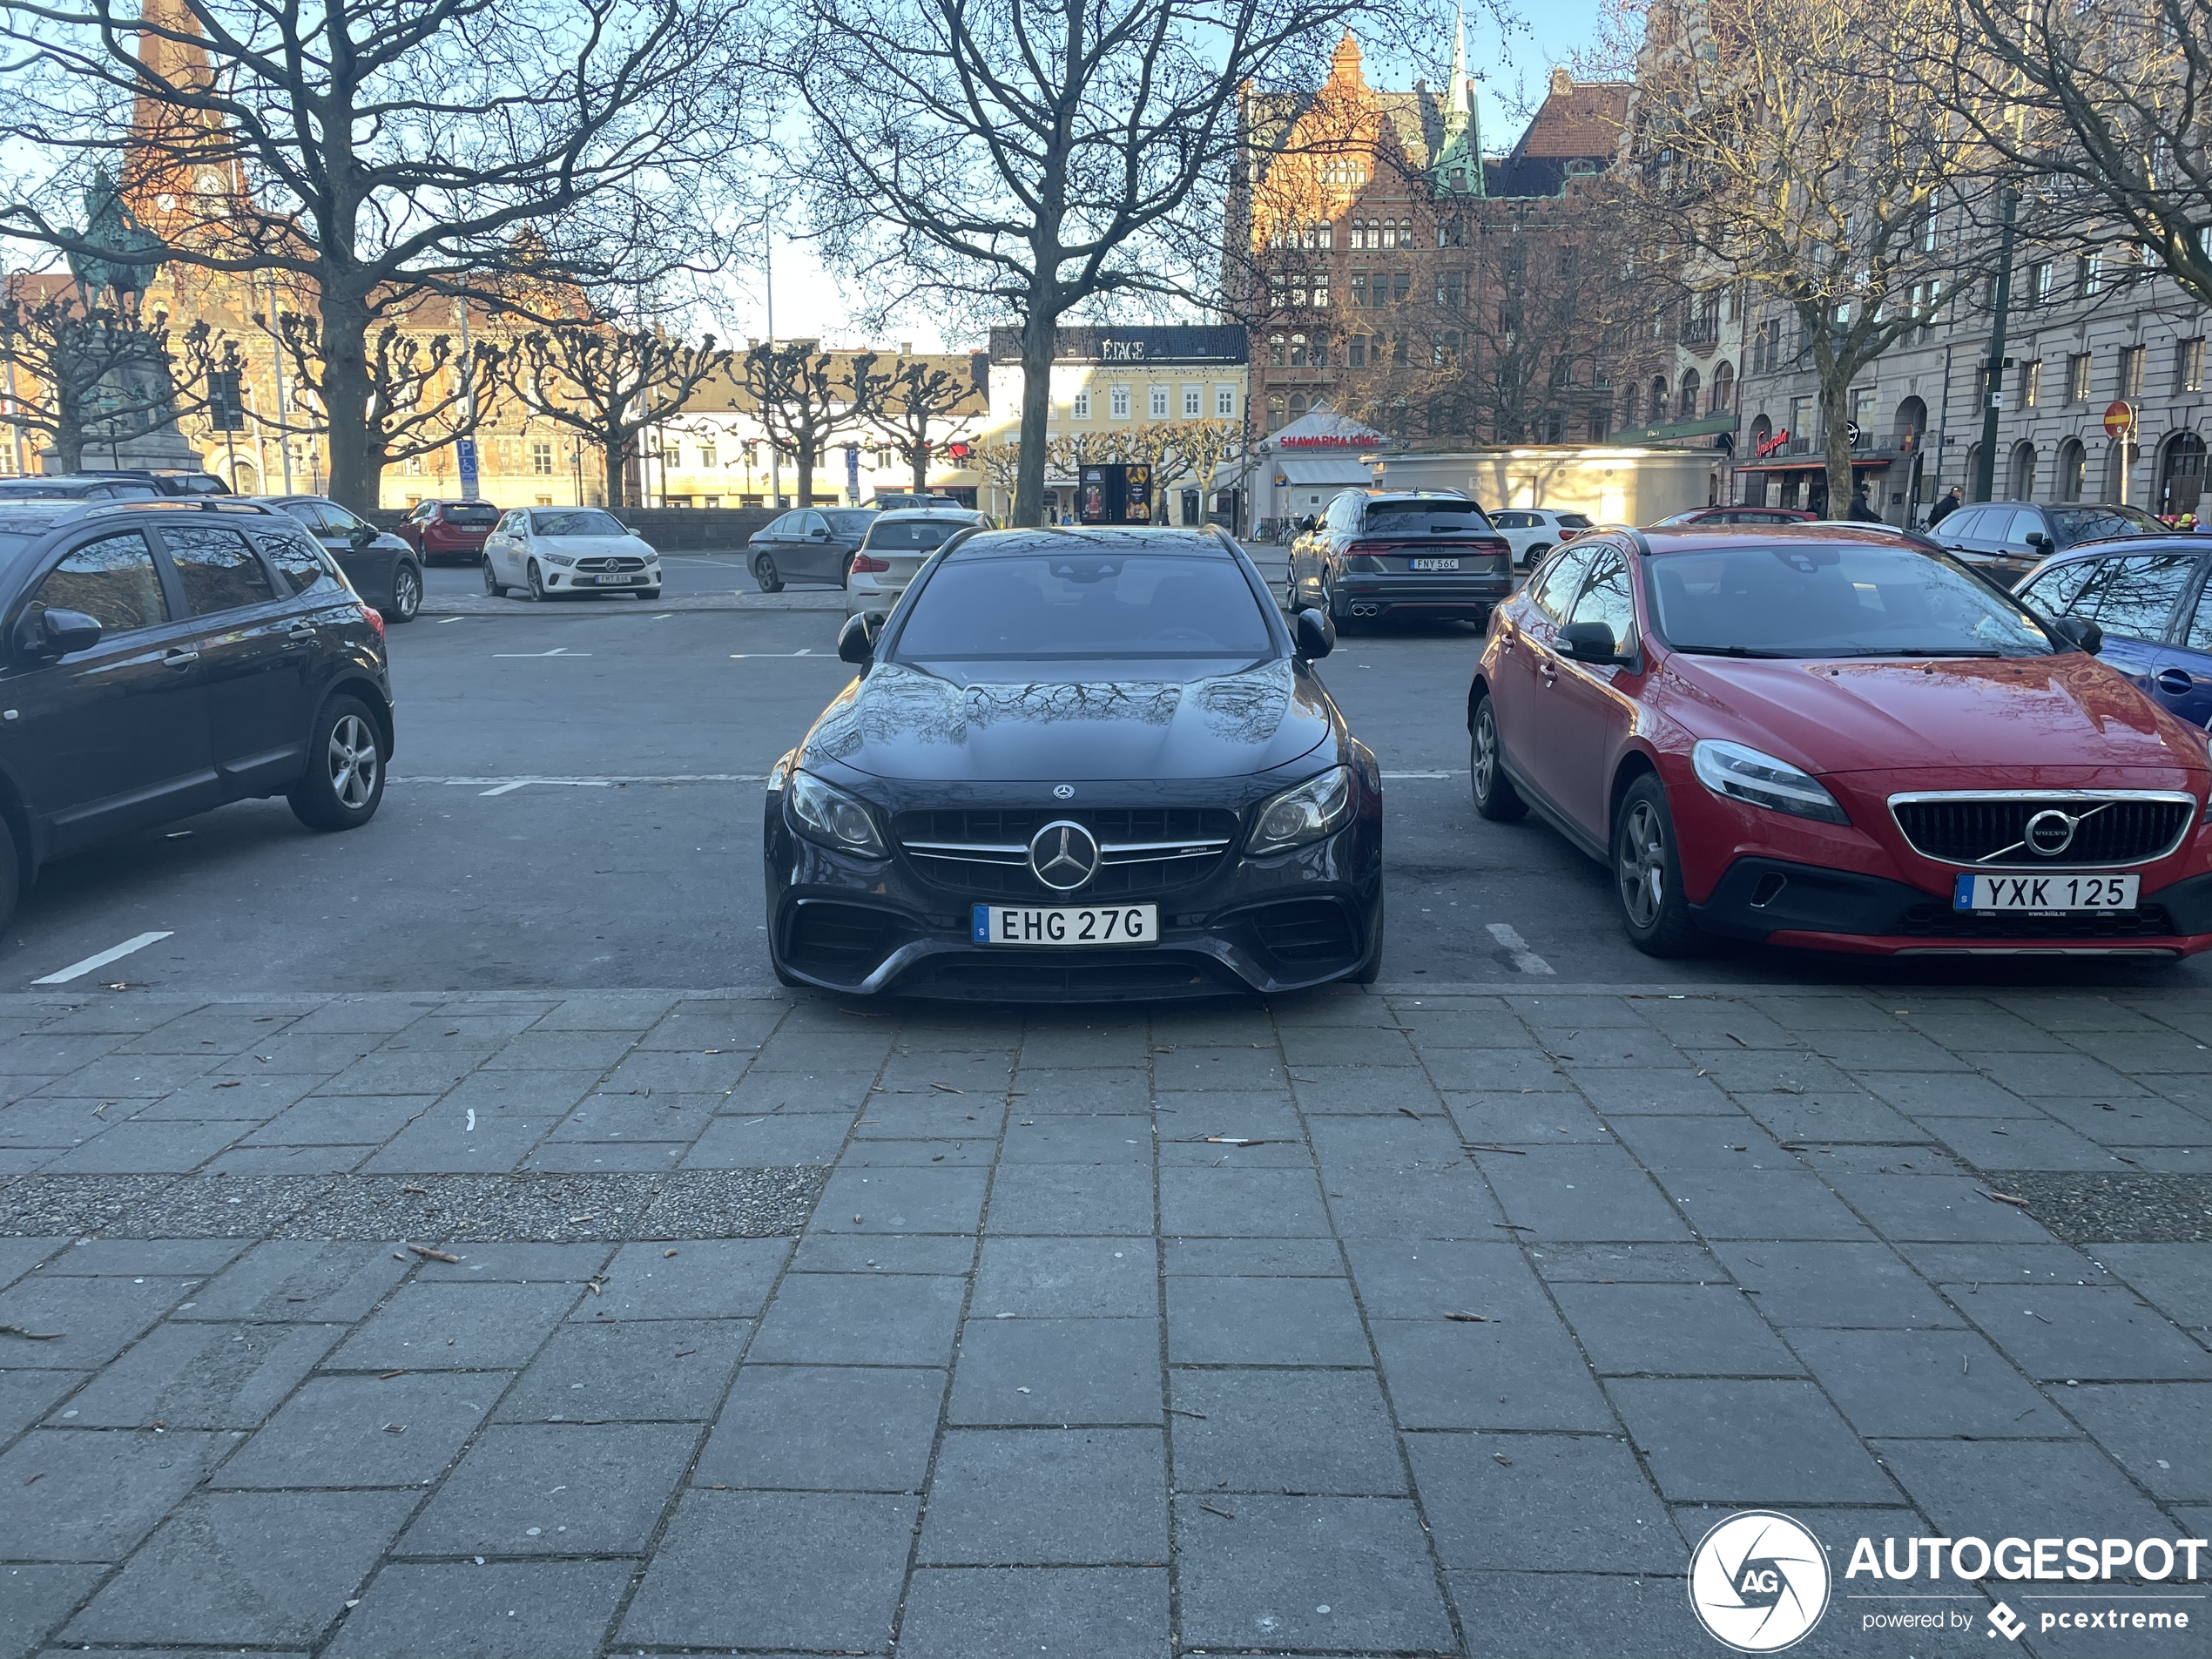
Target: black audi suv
[(1078, 763)]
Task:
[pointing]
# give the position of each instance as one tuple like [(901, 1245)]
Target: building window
[(2032, 383), (1600, 423), (1298, 351), (1225, 403), (1401, 284), (1159, 403), (1554, 426), (2038, 283), (1630, 404), (542, 458), (1358, 290), (1444, 348), (1321, 290), (1275, 412), (2077, 378), (1723, 389), (1298, 406), (1121, 403), (2131, 371), (1450, 289), (1079, 405), (1355, 352), (883, 461), (1275, 359), (1688, 406), (2089, 275), (1194, 402), (707, 455), (1452, 233), (2189, 365)]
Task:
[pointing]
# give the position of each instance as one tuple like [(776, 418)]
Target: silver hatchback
[(896, 545)]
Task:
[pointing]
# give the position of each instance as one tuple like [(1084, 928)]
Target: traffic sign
[(2120, 418), (465, 453)]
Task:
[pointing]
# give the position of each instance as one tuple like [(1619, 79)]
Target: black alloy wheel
[(763, 572), (345, 776), (407, 592), (1647, 873), (1494, 796)]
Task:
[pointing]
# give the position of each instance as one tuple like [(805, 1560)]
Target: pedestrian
[(1944, 507), (1860, 512)]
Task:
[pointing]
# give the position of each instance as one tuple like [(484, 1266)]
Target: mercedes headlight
[(563, 560), (1317, 807), (1742, 774), (823, 813)]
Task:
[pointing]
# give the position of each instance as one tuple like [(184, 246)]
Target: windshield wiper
[(1735, 651), (1938, 651)]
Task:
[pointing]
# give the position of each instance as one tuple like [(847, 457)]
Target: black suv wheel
[(345, 776)]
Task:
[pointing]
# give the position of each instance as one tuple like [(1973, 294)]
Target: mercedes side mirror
[(856, 642), (1314, 634), (2079, 633), (1587, 642)]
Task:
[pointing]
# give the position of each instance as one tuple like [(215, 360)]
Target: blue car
[(2149, 594)]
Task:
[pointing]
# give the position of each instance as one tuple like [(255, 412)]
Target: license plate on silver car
[(613, 581), (1125, 924), (2052, 892), (1432, 564)]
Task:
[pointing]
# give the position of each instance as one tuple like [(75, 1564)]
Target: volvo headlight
[(1317, 807), (823, 813), (1742, 774), (563, 560)]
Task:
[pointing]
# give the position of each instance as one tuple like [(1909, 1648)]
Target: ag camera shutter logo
[(1759, 1581)]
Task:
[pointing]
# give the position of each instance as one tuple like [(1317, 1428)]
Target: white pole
[(276, 357), (768, 290)]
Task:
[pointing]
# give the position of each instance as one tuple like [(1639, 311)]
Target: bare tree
[(423, 392), (919, 408), (611, 384), (380, 150), (2104, 108), (1796, 148), (1195, 450), (101, 375), (805, 403), (1037, 156)]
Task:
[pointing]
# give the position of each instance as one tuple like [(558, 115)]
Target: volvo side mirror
[(1587, 642), (856, 642), (1314, 634), (2080, 633)]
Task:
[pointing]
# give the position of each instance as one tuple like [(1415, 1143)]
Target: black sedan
[(1078, 763), (384, 570)]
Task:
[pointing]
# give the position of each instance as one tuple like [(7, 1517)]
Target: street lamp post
[(2000, 301)]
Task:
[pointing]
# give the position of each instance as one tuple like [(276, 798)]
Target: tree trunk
[(922, 467), (1037, 340), (357, 454), (1835, 439), (611, 447), (806, 475)]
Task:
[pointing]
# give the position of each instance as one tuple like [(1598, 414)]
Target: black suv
[(1415, 553), (159, 659)]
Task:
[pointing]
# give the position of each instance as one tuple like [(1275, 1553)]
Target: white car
[(1531, 532), (894, 548), (568, 549)]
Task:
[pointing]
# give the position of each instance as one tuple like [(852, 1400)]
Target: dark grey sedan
[(384, 570), (813, 544)]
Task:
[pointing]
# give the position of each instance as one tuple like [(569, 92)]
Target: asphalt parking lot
[(445, 1240)]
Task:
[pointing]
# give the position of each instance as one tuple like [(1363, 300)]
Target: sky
[(1512, 70)]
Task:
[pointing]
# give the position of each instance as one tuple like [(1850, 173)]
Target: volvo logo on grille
[(2049, 832), (1063, 855)]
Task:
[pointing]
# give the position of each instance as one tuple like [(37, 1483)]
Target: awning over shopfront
[(1322, 470)]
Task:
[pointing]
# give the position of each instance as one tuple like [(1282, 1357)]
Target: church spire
[(1459, 164), (1455, 115)]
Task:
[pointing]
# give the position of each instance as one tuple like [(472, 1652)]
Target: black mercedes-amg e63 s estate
[(1083, 765)]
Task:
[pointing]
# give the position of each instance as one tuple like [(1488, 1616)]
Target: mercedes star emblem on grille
[(1063, 855), (2050, 832), (1064, 791)]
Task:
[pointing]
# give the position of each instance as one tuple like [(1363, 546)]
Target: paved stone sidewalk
[(1367, 1323)]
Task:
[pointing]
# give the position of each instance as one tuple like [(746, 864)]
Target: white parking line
[(557, 650), (1460, 773), (77, 970), (1523, 958), (490, 785), (443, 620), (741, 656)]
